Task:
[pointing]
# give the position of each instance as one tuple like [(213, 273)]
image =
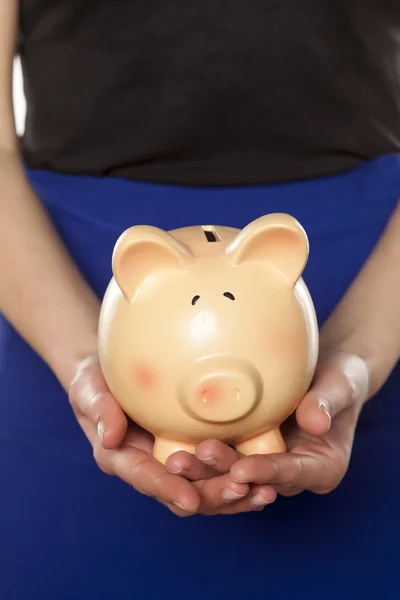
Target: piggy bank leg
[(164, 448), (266, 443)]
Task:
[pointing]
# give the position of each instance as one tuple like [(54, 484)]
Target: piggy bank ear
[(277, 240), (142, 251)]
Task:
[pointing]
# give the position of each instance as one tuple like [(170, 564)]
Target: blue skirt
[(70, 532)]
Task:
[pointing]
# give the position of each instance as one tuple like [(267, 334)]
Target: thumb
[(90, 397), (340, 382)]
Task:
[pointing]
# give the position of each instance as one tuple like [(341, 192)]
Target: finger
[(255, 469), (149, 477), (189, 466), (177, 511), (212, 457), (338, 384), (110, 420), (302, 471), (313, 414), (217, 455), (90, 396), (261, 495), (219, 491), (256, 500)]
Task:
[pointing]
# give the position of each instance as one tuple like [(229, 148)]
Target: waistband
[(369, 191)]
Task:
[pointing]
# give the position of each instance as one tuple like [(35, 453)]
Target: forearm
[(367, 320), (42, 292)]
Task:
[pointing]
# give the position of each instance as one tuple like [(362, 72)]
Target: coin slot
[(211, 234)]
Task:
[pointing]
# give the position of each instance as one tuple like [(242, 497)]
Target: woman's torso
[(190, 92), (68, 531), (226, 92)]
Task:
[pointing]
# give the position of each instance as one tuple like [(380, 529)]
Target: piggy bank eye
[(194, 299), (229, 295)]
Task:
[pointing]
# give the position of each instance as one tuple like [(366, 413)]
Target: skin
[(360, 345), (45, 298), (49, 303)]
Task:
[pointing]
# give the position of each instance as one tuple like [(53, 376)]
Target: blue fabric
[(69, 532)]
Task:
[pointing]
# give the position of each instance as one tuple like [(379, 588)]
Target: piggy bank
[(210, 332)]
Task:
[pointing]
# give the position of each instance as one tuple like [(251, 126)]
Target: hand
[(123, 449), (209, 469), (320, 435)]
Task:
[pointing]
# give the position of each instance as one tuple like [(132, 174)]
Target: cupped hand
[(320, 435), (209, 470), (123, 449)]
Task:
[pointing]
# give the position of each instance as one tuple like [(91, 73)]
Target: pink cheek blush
[(145, 376)]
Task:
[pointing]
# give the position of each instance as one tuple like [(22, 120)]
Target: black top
[(210, 91)]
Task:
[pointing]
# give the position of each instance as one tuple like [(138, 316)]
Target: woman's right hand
[(123, 449)]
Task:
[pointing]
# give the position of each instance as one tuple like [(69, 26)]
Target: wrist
[(81, 342), (379, 356), (367, 320), (66, 364)]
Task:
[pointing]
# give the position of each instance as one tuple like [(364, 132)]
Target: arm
[(360, 345), (367, 320), (41, 291), (48, 302), (44, 296)]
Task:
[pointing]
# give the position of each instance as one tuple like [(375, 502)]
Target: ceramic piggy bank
[(210, 332)]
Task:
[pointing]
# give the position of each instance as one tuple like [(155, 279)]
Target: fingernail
[(324, 409), (257, 500), (229, 495), (181, 507), (100, 430), (238, 479), (176, 471), (210, 461)]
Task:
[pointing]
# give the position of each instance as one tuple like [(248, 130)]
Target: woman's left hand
[(319, 436)]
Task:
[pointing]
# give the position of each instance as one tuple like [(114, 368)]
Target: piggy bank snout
[(220, 389)]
